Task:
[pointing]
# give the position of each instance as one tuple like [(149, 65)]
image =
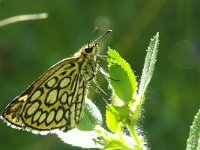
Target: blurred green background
[(27, 49)]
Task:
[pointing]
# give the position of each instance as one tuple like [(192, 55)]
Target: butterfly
[(55, 100)]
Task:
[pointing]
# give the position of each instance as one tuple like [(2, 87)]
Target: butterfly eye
[(89, 49)]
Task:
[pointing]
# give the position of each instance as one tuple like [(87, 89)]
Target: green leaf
[(193, 142), (83, 139), (84, 133), (116, 116), (116, 141), (122, 78), (91, 116), (116, 145), (149, 64)]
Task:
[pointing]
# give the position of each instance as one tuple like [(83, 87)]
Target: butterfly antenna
[(93, 31), (102, 36)]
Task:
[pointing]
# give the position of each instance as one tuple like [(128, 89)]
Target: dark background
[(27, 49)]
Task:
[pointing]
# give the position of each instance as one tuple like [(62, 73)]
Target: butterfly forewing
[(55, 100)]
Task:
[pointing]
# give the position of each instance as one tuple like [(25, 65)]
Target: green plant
[(193, 142), (123, 114)]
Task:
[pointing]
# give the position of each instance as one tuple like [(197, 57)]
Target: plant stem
[(133, 134), (22, 18)]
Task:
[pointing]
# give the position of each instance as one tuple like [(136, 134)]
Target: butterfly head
[(91, 50)]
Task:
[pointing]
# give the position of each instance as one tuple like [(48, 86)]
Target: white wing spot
[(64, 98), (36, 116), (72, 115), (51, 98), (78, 106), (42, 117), (64, 82), (67, 114), (59, 115), (36, 95), (23, 98), (69, 100), (33, 108), (50, 116), (51, 82)]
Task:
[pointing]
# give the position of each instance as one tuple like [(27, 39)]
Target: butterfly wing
[(54, 101)]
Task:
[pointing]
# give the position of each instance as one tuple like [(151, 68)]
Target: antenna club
[(109, 31), (102, 35)]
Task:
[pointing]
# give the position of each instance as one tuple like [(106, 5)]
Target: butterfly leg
[(100, 91)]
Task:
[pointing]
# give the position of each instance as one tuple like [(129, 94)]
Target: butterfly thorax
[(87, 60)]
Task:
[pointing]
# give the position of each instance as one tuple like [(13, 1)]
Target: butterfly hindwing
[(54, 101)]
